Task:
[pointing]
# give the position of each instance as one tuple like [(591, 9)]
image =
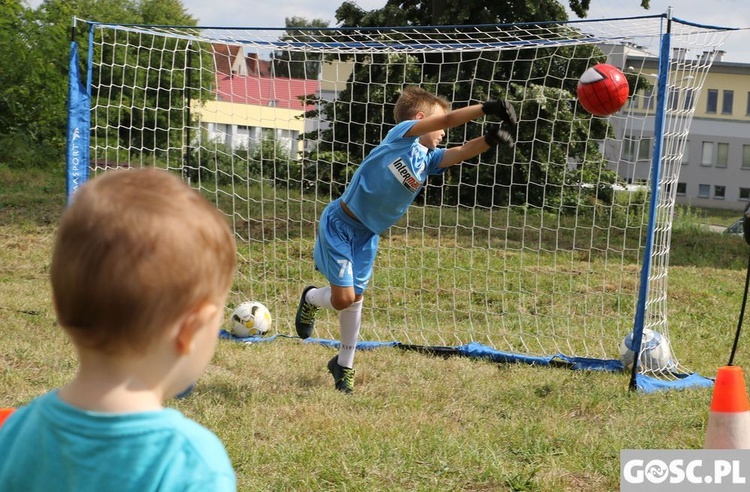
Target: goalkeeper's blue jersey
[(389, 179)]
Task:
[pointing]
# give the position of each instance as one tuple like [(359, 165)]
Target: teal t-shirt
[(50, 445)]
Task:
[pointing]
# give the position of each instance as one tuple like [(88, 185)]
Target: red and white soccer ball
[(603, 89)]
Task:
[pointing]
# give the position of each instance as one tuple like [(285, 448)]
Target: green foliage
[(581, 7), (32, 102), (34, 61), (218, 164), (20, 150), (299, 65), (327, 172), (443, 12), (537, 172)]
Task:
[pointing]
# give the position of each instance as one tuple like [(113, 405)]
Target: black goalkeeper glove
[(496, 136), (502, 109)]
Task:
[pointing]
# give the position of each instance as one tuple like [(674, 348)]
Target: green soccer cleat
[(343, 377), (304, 322)]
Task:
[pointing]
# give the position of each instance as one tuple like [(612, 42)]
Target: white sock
[(320, 297), (349, 322)]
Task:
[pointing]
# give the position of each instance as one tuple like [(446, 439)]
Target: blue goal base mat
[(646, 384)]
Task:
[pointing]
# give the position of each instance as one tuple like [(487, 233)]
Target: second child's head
[(416, 103), (135, 251)]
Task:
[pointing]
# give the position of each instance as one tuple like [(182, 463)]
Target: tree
[(297, 65), (32, 100), (36, 45), (581, 7), (538, 174)]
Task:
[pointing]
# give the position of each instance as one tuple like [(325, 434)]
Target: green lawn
[(416, 422)]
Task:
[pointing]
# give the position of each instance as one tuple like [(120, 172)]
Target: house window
[(704, 190), (644, 149), (727, 102), (681, 188), (722, 154), (633, 101), (636, 149), (746, 157), (673, 99), (719, 191), (648, 99), (222, 129), (745, 194), (288, 139), (712, 100), (707, 158), (686, 153), (629, 146), (688, 102), (747, 110)]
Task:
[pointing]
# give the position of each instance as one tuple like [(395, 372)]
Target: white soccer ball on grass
[(656, 353), (250, 319)]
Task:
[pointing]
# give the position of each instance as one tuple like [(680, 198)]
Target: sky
[(272, 13)]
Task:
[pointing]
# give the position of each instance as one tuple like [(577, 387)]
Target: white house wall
[(239, 125)]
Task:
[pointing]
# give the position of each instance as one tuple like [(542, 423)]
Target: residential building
[(251, 104), (715, 163)]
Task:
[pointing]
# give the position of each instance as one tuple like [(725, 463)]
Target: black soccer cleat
[(304, 322), (343, 377)]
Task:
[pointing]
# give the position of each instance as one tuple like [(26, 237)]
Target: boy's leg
[(320, 296), (330, 252), (304, 320), (349, 323), (350, 315), (341, 365)]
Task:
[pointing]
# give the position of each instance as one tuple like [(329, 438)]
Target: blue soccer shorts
[(345, 249)]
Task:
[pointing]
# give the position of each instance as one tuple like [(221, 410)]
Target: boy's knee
[(345, 300), (341, 303)]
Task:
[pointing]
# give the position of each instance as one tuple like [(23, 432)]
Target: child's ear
[(191, 324), (420, 115)]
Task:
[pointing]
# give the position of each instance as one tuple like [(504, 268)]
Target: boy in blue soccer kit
[(381, 190)]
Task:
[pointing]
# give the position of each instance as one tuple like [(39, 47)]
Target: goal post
[(551, 251)]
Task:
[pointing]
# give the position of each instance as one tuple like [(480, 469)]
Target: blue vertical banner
[(79, 127)]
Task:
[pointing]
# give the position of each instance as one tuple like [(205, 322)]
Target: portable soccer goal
[(549, 253)]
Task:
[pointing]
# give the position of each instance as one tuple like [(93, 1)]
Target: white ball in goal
[(250, 319), (656, 354)]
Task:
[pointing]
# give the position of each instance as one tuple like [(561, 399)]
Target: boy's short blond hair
[(415, 99), (134, 251)]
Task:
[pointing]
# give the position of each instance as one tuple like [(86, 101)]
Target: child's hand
[(496, 136), (501, 109)]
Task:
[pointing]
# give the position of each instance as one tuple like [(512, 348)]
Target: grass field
[(416, 423)]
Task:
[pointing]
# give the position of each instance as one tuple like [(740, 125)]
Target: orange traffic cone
[(729, 419), (5, 413)]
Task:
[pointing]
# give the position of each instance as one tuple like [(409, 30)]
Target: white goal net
[(538, 250)]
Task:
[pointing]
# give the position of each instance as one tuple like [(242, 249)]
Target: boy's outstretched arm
[(426, 124), (492, 137)]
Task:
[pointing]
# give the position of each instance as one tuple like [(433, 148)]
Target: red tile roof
[(257, 66), (262, 91), (224, 56)]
